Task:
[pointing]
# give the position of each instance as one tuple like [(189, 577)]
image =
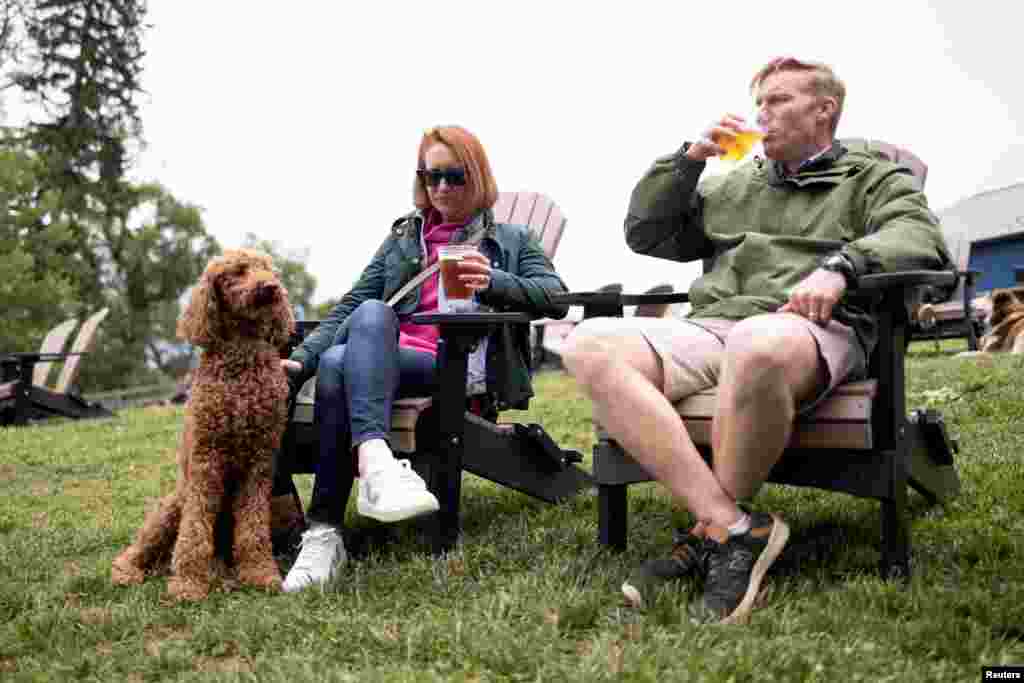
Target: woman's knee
[(330, 372), (373, 317)]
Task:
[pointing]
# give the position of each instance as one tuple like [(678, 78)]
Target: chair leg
[(612, 515), (445, 482), (895, 562)]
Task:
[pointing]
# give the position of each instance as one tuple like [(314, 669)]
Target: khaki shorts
[(691, 350)]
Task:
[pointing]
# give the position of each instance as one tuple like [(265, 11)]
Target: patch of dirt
[(158, 637), (8, 472), (229, 661), (233, 665), (95, 616)]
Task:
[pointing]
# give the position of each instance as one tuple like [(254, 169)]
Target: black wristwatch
[(837, 263)]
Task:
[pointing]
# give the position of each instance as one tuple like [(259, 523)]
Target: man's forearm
[(664, 210)]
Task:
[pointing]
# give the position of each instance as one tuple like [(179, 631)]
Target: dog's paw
[(124, 572), (267, 578)]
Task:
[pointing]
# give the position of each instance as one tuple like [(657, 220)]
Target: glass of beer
[(739, 145), (454, 296)]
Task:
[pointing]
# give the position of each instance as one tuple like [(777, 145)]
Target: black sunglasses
[(432, 177)]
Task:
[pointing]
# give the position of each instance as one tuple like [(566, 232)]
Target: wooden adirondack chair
[(555, 332), (860, 440), (953, 313), (53, 343), (21, 401), (439, 435)]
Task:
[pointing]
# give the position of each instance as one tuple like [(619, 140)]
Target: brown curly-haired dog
[(234, 420)]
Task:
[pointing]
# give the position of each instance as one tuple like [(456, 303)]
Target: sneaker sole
[(312, 583), (776, 542), (424, 508)]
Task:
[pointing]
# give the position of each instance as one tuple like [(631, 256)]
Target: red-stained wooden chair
[(440, 434)]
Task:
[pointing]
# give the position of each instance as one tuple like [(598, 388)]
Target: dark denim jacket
[(522, 279)]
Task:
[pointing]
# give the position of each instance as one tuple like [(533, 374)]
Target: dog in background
[(234, 421), (1005, 322)]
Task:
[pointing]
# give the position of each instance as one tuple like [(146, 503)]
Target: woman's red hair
[(480, 183)]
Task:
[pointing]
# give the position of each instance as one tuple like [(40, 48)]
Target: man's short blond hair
[(824, 81)]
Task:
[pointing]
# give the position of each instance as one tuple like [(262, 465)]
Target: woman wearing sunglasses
[(367, 353)]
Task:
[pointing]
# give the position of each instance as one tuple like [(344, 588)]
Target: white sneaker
[(321, 555), (394, 493)]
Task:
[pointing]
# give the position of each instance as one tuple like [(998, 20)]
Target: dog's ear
[(282, 323), (199, 323)]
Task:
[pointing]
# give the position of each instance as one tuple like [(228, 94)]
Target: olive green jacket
[(522, 279), (767, 232)]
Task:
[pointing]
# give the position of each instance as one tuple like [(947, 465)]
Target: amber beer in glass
[(457, 296), (739, 145)]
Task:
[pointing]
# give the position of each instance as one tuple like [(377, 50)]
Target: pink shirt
[(424, 337)]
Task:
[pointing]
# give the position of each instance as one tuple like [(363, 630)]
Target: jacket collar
[(778, 175), (480, 227)]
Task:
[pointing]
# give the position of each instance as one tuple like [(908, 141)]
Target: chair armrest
[(906, 279), (20, 364), (464, 329), (611, 303)]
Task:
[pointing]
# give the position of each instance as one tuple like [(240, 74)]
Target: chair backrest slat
[(504, 206), (535, 211), (53, 342), (655, 310), (523, 211), (83, 344)]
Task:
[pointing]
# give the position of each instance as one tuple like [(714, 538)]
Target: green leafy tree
[(133, 248), (149, 263), (33, 292)]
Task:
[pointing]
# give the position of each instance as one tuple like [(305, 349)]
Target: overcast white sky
[(299, 121)]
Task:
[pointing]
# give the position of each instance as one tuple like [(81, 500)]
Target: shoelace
[(406, 476), (726, 571)]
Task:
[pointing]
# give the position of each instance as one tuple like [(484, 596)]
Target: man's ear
[(827, 107)]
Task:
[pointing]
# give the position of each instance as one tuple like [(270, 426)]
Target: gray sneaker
[(736, 565), (321, 555), (687, 557)]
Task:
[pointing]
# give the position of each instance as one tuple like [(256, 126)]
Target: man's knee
[(760, 347), (586, 347)]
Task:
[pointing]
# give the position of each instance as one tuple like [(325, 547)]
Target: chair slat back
[(890, 152), (654, 310), (53, 342), (537, 212), (83, 344)]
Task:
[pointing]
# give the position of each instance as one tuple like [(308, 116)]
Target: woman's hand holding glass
[(475, 271)]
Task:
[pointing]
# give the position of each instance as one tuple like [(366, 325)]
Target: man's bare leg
[(623, 377), (771, 366)]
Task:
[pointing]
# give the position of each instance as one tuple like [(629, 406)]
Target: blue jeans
[(356, 384)]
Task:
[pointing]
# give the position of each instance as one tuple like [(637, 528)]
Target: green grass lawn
[(528, 595)]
